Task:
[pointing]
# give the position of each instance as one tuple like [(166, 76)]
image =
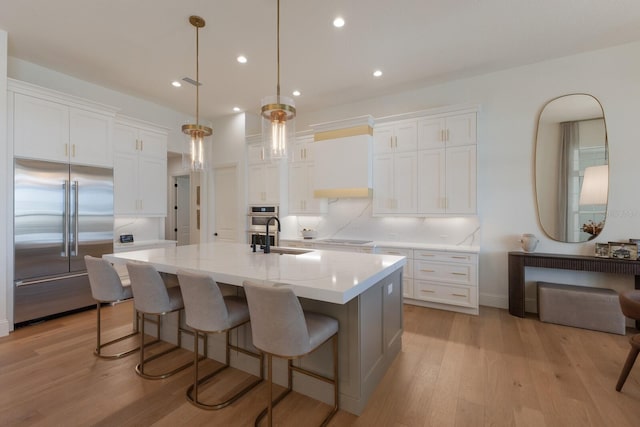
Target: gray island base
[(370, 334)]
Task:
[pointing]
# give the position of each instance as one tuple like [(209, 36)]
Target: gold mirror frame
[(571, 154)]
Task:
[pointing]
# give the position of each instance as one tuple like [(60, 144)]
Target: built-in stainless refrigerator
[(62, 213)]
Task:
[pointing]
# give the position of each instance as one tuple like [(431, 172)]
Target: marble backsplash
[(352, 219)]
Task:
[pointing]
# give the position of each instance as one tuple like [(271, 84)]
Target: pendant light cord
[(197, 75), (278, 51)]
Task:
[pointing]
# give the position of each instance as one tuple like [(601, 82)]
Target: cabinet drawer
[(447, 294), (408, 253), (445, 256), (463, 274)]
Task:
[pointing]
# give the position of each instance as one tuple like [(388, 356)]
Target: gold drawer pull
[(459, 257), (428, 271), (427, 291), (393, 253), (427, 255), (459, 274), (459, 295)]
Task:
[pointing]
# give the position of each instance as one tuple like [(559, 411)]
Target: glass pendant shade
[(278, 126), (197, 138)]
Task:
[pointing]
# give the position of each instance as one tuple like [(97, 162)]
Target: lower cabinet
[(449, 278)]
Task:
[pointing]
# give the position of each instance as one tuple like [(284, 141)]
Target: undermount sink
[(289, 251)]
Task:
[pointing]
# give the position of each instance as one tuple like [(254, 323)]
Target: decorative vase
[(529, 242)]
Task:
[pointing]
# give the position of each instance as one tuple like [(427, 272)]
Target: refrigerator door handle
[(76, 234), (65, 232)]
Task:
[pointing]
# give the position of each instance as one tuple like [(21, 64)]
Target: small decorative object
[(602, 250), (623, 250), (308, 233), (529, 242), (592, 228)]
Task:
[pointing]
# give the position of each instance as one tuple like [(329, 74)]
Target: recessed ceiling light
[(236, 109), (242, 59), (296, 93), (176, 83), (377, 73), (338, 22)]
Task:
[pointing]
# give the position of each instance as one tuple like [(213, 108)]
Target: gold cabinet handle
[(66, 150), (459, 257), (427, 255), (427, 291), (459, 274), (393, 253), (459, 295), (73, 150), (428, 271), (141, 145)]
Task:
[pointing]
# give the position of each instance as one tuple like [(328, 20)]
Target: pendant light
[(278, 116), (197, 134)]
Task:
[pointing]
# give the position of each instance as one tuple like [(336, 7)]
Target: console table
[(519, 260)]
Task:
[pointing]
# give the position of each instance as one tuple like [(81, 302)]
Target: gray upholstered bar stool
[(207, 311), (630, 305), (281, 328), (151, 296), (106, 287)]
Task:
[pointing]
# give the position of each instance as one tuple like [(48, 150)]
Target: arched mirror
[(572, 168)]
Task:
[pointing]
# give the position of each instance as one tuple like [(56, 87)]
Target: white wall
[(511, 101), (6, 187)]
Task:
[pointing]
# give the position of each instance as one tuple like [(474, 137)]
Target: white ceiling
[(140, 46)]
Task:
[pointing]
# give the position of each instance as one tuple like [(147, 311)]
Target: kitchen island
[(363, 291)]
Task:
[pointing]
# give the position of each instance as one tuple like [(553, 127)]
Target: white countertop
[(392, 244), (142, 244), (330, 276)]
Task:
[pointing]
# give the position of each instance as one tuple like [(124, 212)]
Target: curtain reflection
[(569, 146)]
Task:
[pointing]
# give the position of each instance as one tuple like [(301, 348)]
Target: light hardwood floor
[(454, 370)]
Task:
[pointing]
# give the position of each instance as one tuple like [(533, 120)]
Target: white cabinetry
[(447, 164), (263, 177), (407, 272), (449, 131), (140, 169), (446, 278), (447, 180), (301, 180), (48, 125), (395, 176)]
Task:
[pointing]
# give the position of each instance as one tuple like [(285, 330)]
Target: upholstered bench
[(580, 306)]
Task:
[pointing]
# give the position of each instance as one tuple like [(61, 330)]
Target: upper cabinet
[(395, 168), (264, 177), (395, 137), (448, 131), (426, 164), (140, 169), (48, 125), (301, 180)]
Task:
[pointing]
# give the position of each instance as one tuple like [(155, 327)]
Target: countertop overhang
[(323, 275)]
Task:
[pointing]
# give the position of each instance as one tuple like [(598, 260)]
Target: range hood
[(343, 158)]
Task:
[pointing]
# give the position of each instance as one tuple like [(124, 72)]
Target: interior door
[(226, 204), (182, 211)]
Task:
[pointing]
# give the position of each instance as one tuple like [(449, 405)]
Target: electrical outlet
[(389, 288)]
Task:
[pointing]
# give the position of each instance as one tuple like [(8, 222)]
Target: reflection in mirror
[(572, 168)]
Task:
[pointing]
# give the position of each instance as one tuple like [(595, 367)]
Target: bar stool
[(281, 328), (151, 296), (106, 287), (207, 311), (630, 305)]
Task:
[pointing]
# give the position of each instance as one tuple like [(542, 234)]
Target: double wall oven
[(257, 218)]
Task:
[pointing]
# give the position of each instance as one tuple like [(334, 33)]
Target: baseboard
[(492, 300), (4, 327)]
